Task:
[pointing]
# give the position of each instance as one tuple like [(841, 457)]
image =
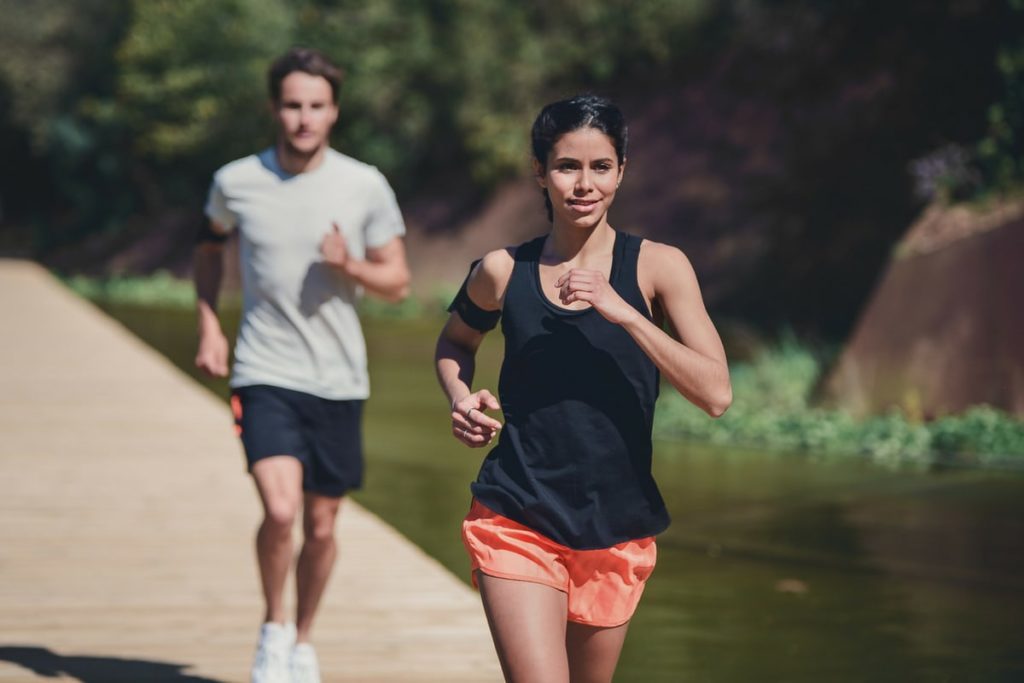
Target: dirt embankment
[(944, 329)]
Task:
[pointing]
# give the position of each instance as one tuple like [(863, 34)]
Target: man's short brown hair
[(306, 60)]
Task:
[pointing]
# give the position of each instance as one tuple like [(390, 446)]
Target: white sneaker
[(272, 653), (305, 667)]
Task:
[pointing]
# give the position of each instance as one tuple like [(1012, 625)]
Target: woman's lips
[(582, 205)]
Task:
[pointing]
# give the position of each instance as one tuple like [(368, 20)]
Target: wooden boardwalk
[(126, 526)]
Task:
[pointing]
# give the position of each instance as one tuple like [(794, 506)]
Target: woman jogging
[(561, 530)]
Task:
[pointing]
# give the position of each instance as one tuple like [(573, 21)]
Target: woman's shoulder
[(664, 269), (659, 255), (497, 264), (490, 277)]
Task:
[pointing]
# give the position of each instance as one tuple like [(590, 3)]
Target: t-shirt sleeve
[(217, 205), (384, 220)]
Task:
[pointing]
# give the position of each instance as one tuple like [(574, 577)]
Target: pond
[(777, 567)]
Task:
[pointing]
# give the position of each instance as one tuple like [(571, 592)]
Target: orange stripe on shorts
[(236, 410)]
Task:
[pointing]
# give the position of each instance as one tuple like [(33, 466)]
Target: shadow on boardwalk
[(89, 669)]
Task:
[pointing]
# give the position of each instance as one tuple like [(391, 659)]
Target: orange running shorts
[(603, 586)]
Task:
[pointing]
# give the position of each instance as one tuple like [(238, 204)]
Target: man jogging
[(316, 229)]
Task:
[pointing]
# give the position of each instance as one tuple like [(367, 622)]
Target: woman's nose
[(583, 182)]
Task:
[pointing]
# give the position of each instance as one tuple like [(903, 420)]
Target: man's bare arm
[(208, 271)]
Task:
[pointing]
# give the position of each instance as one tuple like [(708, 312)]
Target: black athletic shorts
[(324, 435)]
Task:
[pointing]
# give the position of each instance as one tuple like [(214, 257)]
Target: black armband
[(206, 235), (471, 314)]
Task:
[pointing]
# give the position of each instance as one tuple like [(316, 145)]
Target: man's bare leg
[(279, 483), (319, 550)]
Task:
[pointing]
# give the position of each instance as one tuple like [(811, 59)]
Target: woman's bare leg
[(593, 652), (528, 622)]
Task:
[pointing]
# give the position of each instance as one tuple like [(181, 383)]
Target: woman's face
[(582, 175)]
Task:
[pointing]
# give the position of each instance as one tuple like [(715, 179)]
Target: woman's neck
[(578, 245)]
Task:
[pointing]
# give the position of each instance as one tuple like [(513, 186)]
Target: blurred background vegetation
[(114, 113), (785, 145)]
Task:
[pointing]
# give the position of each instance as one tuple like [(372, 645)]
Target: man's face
[(305, 113)]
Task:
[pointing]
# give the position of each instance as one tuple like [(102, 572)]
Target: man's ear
[(538, 172)]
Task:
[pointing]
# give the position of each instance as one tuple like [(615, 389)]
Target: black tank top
[(573, 461)]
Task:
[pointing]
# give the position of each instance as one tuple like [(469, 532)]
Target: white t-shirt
[(299, 326)]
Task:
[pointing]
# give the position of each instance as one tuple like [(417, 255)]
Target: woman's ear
[(538, 172), (622, 172)]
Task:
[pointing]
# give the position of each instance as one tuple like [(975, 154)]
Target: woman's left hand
[(592, 287), (470, 424)]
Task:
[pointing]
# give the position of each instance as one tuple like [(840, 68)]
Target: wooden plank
[(126, 526)]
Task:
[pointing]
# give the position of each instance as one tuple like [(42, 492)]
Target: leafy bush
[(166, 290), (773, 409), (982, 432), (159, 289), (130, 104), (1001, 151)]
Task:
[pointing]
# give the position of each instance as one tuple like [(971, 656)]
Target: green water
[(776, 567)]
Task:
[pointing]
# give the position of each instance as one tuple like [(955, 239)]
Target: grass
[(773, 409), (165, 289), (159, 289)]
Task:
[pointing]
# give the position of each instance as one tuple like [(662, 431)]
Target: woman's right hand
[(470, 424)]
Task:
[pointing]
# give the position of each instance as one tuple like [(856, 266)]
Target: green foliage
[(46, 56), (786, 373), (408, 309), (469, 76), (133, 103), (160, 289), (773, 409), (981, 432), (56, 55), (1001, 152), (193, 71)]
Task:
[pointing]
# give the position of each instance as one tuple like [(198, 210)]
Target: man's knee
[(281, 514), (319, 519), (320, 533)]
